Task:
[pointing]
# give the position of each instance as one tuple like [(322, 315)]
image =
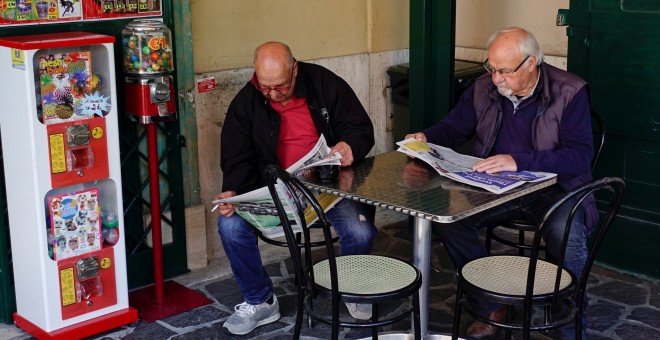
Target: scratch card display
[(65, 79), (75, 223)]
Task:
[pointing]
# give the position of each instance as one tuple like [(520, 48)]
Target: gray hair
[(527, 45)]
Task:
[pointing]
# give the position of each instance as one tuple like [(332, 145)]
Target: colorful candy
[(147, 47)]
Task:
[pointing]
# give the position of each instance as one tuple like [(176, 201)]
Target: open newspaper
[(258, 208), (458, 167)]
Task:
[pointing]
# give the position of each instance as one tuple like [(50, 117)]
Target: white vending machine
[(60, 143)]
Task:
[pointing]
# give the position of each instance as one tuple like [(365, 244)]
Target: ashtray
[(327, 172)]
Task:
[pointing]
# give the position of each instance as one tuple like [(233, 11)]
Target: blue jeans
[(353, 222), (461, 239)]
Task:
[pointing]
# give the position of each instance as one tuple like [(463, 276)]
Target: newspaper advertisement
[(258, 208), (458, 167)]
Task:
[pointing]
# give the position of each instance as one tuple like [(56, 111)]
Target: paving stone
[(646, 315), (195, 317), (288, 305), (263, 332), (204, 333), (441, 321), (622, 292), (149, 330), (442, 295), (225, 291), (654, 299), (622, 306), (594, 336), (274, 269), (637, 332), (603, 315), (441, 278)]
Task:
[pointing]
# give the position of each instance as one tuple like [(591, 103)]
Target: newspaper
[(258, 208), (458, 167)]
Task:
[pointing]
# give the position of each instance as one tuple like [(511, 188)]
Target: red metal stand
[(81, 330), (151, 302)]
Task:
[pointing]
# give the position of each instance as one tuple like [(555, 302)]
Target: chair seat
[(363, 274), (519, 224), (507, 275)]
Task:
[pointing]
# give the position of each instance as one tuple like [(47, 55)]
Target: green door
[(614, 45)]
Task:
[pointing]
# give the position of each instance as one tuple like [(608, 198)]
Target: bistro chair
[(280, 241), (277, 241), (498, 232), (533, 284), (362, 279)]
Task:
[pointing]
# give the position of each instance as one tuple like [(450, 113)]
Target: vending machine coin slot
[(78, 135)]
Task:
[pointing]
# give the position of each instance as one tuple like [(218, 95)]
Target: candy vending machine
[(58, 123)]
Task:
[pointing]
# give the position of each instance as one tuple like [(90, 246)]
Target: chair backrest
[(610, 194), (598, 146), (284, 187)]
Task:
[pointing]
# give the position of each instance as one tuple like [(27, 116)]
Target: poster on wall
[(36, 12)]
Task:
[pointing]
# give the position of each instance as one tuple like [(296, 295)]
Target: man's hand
[(346, 153), (497, 163), (417, 135), (226, 209)]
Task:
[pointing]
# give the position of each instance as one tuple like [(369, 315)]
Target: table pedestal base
[(409, 336)]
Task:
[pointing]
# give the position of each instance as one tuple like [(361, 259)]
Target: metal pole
[(154, 191)]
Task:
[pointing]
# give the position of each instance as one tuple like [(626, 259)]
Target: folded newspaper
[(258, 208), (458, 167)]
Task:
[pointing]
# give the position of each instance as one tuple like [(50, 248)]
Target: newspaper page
[(258, 208), (458, 167), (319, 155)]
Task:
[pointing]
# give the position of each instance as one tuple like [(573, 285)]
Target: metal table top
[(394, 181)]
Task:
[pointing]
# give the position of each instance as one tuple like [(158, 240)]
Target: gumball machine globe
[(148, 66), (147, 42)]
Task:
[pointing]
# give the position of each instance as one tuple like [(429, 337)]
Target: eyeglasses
[(505, 71), (280, 89)]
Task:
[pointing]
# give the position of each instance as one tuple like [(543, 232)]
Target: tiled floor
[(622, 306)]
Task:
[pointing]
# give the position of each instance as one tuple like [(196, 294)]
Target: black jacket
[(251, 129)]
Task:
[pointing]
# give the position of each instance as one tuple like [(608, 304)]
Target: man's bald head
[(275, 68), (273, 51)]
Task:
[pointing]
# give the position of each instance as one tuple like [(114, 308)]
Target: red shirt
[(298, 134)]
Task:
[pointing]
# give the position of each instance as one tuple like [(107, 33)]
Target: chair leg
[(417, 328), (374, 318), (335, 318), (457, 313), (300, 313), (578, 324), (489, 237), (527, 322), (507, 331), (521, 241)]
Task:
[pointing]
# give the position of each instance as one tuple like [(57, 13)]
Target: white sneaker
[(248, 317), (359, 311)]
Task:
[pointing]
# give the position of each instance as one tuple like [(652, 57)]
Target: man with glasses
[(277, 118), (524, 115)]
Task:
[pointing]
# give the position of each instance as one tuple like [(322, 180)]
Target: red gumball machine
[(148, 63)]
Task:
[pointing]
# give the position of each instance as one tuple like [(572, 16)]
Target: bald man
[(276, 118), (524, 115)]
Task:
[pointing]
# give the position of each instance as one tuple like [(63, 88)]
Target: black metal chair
[(361, 279), (521, 226), (533, 284)]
